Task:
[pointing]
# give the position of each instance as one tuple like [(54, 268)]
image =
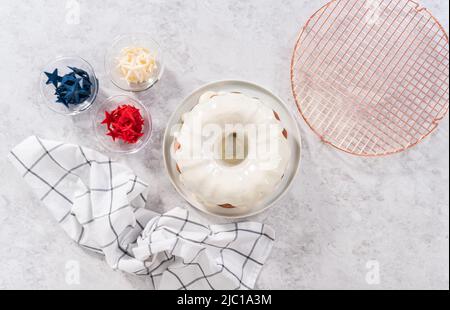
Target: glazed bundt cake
[(231, 150)]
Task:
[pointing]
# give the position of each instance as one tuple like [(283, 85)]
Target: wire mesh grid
[(372, 77)]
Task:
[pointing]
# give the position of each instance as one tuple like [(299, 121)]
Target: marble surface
[(348, 222)]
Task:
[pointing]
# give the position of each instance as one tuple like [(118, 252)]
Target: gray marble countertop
[(348, 222)]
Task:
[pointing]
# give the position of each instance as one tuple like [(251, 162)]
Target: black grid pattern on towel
[(224, 267), (164, 265), (65, 172)]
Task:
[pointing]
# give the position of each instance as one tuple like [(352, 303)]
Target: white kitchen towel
[(101, 205)]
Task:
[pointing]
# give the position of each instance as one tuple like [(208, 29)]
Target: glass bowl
[(133, 40), (118, 146), (48, 90)]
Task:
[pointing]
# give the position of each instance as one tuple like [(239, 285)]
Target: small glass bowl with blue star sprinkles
[(69, 85)]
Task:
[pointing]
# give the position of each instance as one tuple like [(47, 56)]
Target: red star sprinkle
[(125, 123)]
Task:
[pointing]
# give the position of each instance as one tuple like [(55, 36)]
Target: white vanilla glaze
[(234, 184)]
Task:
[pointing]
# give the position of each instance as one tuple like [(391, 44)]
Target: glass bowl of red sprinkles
[(122, 124)]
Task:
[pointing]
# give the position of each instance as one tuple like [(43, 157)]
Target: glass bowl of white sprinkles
[(134, 62)]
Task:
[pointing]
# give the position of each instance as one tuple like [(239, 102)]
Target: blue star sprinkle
[(53, 78), (72, 88), (79, 72)]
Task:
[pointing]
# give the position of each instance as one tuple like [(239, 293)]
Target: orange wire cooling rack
[(371, 77)]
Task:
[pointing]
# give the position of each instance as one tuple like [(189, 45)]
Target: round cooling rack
[(371, 77)]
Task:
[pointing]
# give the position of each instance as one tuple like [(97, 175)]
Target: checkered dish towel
[(101, 205)]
